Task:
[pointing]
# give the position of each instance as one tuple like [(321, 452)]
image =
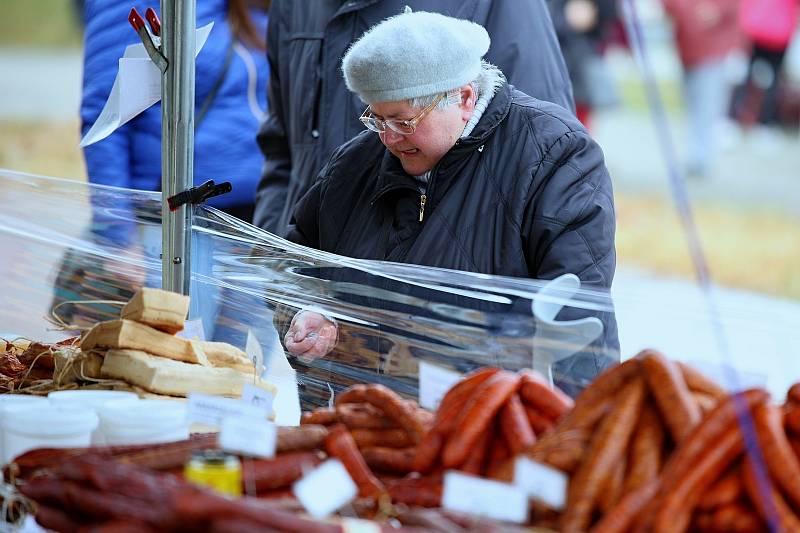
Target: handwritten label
[(483, 497), (193, 330), (254, 352), (325, 489), (212, 410), (541, 482), (246, 435), (258, 397), (434, 382)]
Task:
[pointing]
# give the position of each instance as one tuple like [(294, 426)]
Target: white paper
[(541, 482), (281, 374), (254, 352), (434, 382), (358, 525), (484, 497), (325, 489), (193, 330), (246, 435), (732, 379), (258, 398), (211, 410), (136, 87)]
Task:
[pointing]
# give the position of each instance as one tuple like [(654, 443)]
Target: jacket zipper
[(422, 199)]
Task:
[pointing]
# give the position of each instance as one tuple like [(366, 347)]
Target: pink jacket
[(704, 29), (769, 23)]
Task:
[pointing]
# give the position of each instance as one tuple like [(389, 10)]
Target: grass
[(42, 148), (40, 24)]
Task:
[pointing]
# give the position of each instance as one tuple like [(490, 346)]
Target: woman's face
[(435, 134)]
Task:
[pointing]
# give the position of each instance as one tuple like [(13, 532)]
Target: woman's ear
[(467, 104)]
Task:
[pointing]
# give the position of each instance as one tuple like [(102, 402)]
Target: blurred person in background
[(311, 111), (706, 34), (584, 29), (769, 26), (231, 75)]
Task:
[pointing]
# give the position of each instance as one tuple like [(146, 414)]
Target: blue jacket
[(225, 145)]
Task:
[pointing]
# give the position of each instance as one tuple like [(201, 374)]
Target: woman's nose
[(391, 137)]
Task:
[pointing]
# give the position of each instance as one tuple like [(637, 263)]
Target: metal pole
[(177, 140)]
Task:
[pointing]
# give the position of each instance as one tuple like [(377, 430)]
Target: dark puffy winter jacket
[(311, 111), (526, 194)]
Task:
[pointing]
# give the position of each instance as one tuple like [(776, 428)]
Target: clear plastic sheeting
[(91, 246)]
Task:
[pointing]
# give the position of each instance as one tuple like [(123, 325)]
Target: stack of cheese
[(142, 349)]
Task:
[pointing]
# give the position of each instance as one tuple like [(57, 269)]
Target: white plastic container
[(144, 422), (11, 401), (45, 426), (91, 399)]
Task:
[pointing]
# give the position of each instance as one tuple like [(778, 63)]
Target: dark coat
[(311, 111), (526, 194)]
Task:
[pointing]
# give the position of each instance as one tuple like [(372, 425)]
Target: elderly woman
[(457, 169)]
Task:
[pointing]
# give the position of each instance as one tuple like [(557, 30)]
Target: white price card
[(258, 397), (248, 436), (541, 482), (212, 410), (484, 497), (254, 352), (192, 330), (434, 382), (325, 489), (359, 525)]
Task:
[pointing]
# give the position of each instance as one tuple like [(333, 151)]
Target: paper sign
[(212, 410), (193, 330), (434, 382), (136, 87), (254, 352), (484, 497), (246, 435), (358, 525), (541, 482), (258, 397), (325, 489)]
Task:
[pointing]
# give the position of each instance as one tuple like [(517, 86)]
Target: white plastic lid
[(144, 413), (7, 400), (89, 398), (49, 420)]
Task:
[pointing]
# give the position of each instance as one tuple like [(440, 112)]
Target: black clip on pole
[(198, 195)]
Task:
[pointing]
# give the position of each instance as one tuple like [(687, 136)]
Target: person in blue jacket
[(230, 81)]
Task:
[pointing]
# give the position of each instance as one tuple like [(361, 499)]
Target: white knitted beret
[(412, 55)]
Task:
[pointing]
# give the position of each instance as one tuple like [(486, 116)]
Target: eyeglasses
[(403, 127)]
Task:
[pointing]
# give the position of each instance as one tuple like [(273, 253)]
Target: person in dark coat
[(458, 170), (311, 111)]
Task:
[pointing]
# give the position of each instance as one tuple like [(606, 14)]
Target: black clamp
[(198, 195)]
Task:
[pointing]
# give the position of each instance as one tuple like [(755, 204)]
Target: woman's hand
[(310, 335)]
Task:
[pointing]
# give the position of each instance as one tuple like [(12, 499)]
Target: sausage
[(390, 438), (498, 455), (675, 403), (644, 455), (710, 430), (540, 424), (425, 491), (395, 408), (622, 516), (352, 394), (735, 517), (778, 455), (427, 451), (514, 425), (340, 444), (363, 416), (681, 499), (551, 402), (308, 437), (697, 382), (323, 416), (612, 488), (608, 446), (768, 505), (793, 394), (791, 417), (280, 472), (56, 520), (727, 489), (476, 416), (477, 460), (705, 402), (394, 460), (605, 386)]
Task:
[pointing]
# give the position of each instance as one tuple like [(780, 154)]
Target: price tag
[(358, 525), (245, 435), (192, 330), (325, 489), (484, 497), (541, 482), (258, 397), (211, 410), (434, 382), (254, 352)]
